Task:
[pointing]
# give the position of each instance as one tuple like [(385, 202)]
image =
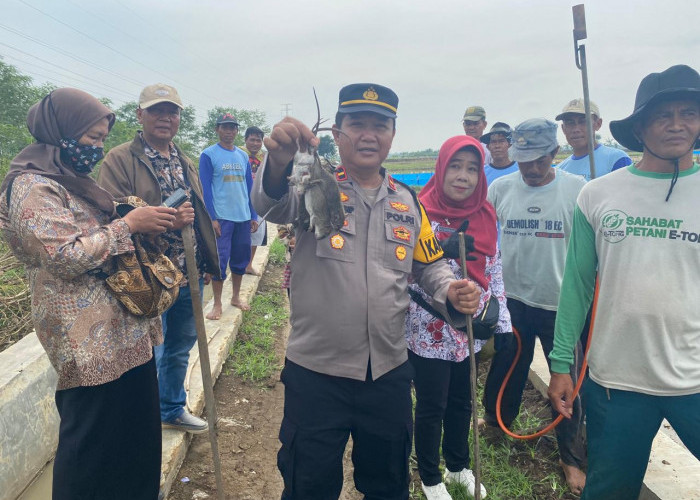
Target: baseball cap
[(578, 107), (533, 139), (499, 128), (227, 118), (157, 93), (372, 97), (474, 114)]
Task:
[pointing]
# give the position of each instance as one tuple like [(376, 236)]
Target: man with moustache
[(474, 124), (497, 141), (152, 167), (573, 124), (253, 148), (637, 230), (346, 369), (535, 209), (227, 179)]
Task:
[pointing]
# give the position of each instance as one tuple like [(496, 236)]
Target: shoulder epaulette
[(340, 174), (410, 190)]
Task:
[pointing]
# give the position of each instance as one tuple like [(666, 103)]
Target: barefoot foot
[(243, 306), (575, 477), (215, 312)]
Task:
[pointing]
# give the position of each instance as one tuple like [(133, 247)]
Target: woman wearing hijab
[(62, 227), (438, 352)]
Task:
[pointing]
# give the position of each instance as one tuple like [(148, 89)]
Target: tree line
[(18, 93)]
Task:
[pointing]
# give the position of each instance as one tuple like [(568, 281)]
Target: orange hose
[(584, 366)]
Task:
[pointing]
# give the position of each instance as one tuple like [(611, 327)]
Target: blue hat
[(533, 139), (358, 97)]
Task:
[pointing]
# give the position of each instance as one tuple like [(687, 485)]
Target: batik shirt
[(430, 337), (61, 238), (254, 160), (170, 176)]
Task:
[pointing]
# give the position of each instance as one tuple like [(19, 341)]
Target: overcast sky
[(515, 58)]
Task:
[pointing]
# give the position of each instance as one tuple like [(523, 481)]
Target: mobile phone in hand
[(176, 199)]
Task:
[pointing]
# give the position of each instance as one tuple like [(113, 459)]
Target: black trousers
[(531, 322), (443, 401), (109, 440), (322, 411)]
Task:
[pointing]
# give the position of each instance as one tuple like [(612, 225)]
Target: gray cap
[(532, 139)]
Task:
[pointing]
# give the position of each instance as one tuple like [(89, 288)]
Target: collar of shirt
[(154, 153)]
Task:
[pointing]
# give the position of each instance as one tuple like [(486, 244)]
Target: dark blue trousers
[(322, 411), (531, 322)]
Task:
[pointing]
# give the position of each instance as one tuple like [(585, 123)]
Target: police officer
[(346, 370)]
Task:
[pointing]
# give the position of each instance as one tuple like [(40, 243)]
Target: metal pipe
[(587, 105), (472, 378), (579, 32)]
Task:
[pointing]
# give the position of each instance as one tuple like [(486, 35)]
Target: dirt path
[(249, 419)]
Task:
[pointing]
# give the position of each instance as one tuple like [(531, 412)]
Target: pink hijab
[(481, 214)]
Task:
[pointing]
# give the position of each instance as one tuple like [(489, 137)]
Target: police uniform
[(346, 369)]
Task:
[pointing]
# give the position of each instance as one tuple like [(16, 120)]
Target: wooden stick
[(203, 345), (472, 378)]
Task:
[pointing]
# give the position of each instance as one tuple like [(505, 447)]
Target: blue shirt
[(492, 173), (606, 158), (226, 183)]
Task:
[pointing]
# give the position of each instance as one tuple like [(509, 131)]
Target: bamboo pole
[(203, 345)]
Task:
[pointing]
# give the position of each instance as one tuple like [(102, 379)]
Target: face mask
[(80, 157)]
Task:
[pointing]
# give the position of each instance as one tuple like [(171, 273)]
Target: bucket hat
[(499, 128), (677, 82)]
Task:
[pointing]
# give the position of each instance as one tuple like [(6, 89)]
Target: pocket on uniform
[(338, 246), (400, 240)]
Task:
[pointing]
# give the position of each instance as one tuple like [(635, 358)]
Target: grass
[(253, 354), (506, 464), (503, 474), (15, 314), (277, 252), (410, 165)]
